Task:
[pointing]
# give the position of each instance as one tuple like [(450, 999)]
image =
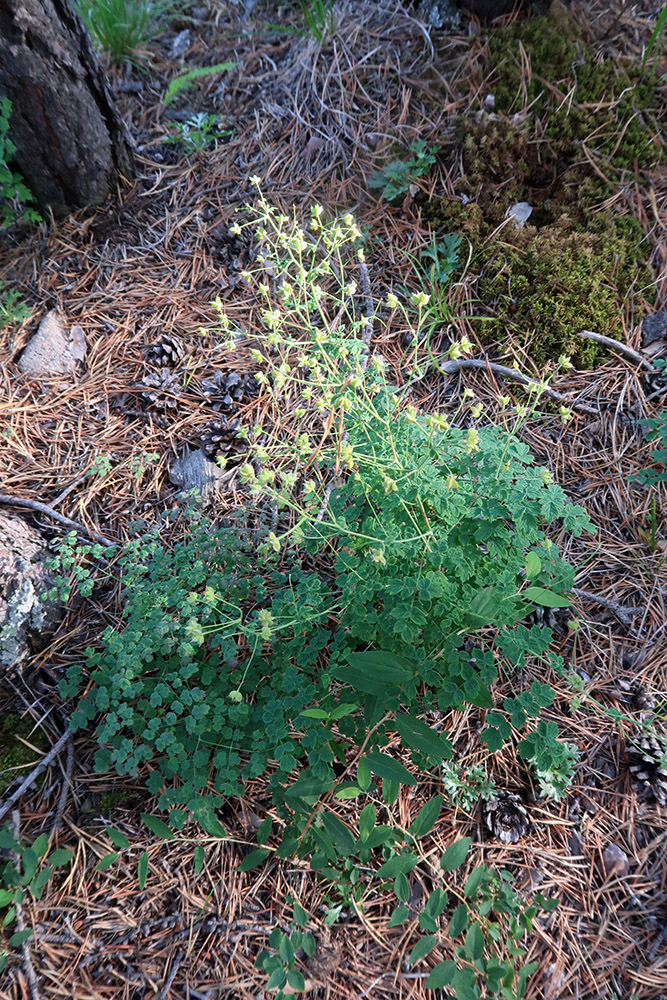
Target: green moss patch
[(15, 756), (544, 64)]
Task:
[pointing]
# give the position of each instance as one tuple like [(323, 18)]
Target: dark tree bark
[(72, 144)]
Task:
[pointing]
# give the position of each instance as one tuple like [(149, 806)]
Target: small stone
[(654, 327), (615, 862), (195, 472), (53, 350)]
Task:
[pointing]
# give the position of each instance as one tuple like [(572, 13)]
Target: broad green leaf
[(62, 856), (296, 980), (6, 897), (16, 940), (533, 565), (342, 710), (199, 858), (422, 948), (390, 790), (547, 598), (348, 791), (459, 922), (117, 838), (41, 845), (341, 835), (474, 942), (264, 831), (300, 915), (384, 766), (428, 923), (142, 870), (7, 841), (367, 820), (436, 902), (378, 836), (399, 863), (418, 735), (277, 979), (254, 859), (483, 608), (364, 776), (382, 666), (427, 817), (441, 975), (106, 861), (286, 950), (455, 854), (157, 826), (211, 824), (473, 882), (315, 713), (399, 916), (401, 888)]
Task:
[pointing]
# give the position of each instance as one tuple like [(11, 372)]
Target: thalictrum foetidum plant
[(382, 569)]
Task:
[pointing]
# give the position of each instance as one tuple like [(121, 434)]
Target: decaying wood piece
[(26, 622), (71, 142)]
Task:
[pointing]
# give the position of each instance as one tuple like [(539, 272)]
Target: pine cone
[(236, 251), (225, 392), (505, 817), (634, 694), (168, 350), (161, 389), (644, 758), (221, 437)]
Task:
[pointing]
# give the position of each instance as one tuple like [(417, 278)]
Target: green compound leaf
[(142, 870), (386, 767), (422, 948), (427, 817), (455, 854), (254, 859), (189, 78), (157, 826), (441, 975), (547, 598)]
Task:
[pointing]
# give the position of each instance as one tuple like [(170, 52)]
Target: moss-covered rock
[(15, 757)]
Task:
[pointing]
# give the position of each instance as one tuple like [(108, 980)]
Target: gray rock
[(53, 350), (654, 327), (26, 622), (195, 472)]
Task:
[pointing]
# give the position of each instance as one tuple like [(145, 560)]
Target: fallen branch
[(43, 508), (616, 345), (64, 792), (483, 364), (624, 615)]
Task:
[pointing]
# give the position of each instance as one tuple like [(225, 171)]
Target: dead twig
[(67, 522), (624, 615), (616, 345), (64, 792), (35, 773), (483, 364)]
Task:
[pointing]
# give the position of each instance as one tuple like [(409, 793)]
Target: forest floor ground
[(314, 118)]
